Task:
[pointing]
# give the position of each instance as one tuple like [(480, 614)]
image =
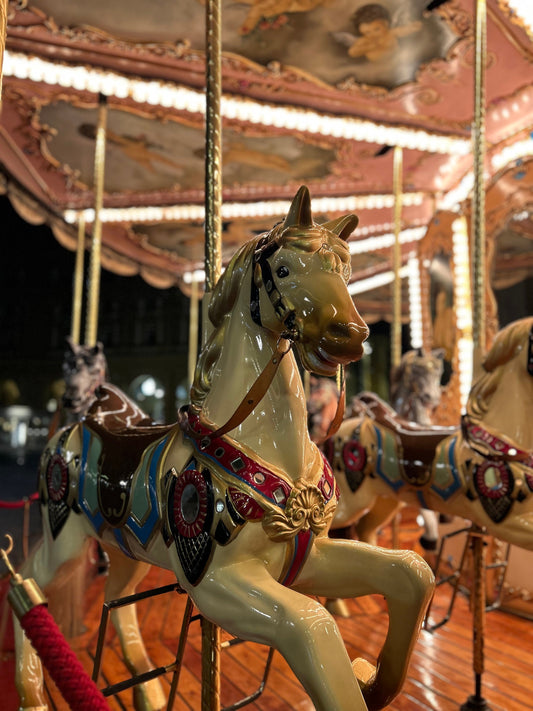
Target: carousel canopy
[(315, 92)]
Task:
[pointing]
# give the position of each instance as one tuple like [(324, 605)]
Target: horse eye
[(282, 271)]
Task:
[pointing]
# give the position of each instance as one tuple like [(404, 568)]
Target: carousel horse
[(415, 393), (88, 391), (84, 370), (481, 470), (240, 518)]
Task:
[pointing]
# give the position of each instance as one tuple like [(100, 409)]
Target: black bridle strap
[(284, 313)]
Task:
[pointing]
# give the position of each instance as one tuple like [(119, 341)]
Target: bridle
[(286, 314), (283, 309)]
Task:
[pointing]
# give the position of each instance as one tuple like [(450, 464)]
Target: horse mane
[(310, 239), (509, 342)]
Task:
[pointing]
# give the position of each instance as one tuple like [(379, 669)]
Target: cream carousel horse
[(415, 393), (241, 519), (481, 471)]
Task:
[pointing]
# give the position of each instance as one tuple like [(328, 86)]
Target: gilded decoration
[(305, 510)]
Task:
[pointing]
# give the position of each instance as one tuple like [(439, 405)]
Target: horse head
[(301, 270), (502, 396), (416, 384), (84, 370)]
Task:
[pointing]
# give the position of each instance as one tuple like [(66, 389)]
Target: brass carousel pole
[(476, 702), (91, 327), (3, 33), (396, 341), (478, 198), (213, 260), (396, 352), (77, 288), (193, 330)]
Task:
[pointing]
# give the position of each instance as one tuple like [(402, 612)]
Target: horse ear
[(299, 214), (258, 276), (70, 344), (342, 226)]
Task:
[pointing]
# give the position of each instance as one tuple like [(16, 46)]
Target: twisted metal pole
[(213, 262), (478, 198), (3, 33), (213, 146)]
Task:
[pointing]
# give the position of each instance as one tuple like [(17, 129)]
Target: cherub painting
[(376, 32)]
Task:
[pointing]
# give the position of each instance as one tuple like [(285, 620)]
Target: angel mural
[(376, 32)]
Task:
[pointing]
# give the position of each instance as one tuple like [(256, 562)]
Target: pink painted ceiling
[(300, 53)]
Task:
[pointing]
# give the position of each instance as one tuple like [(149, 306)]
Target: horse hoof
[(149, 697), (337, 607), (365, 672)]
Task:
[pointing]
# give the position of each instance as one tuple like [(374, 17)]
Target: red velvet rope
[(18, 504), (76, 687)]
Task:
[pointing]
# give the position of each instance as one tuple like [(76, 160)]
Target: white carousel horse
[(481, 471), (242, 520)]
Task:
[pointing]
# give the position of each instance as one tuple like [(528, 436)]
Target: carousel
[(302, 172)]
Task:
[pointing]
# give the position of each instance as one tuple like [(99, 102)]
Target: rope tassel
[(29, 605)]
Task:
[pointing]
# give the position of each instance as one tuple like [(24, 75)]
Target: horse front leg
[(247, 602), (124, 576), (350, 569)]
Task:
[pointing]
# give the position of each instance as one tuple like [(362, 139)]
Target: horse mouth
[(320, 361)]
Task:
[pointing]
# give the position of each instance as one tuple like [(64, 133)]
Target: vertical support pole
[(91, 328), (213, 262), (478, 198), (3, 33), (476, 702), (210, 666), (396, 346), (193, 330), (77, 287), (213, 152)]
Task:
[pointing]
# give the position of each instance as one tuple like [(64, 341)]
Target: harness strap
[(487, 443), (249, 402)]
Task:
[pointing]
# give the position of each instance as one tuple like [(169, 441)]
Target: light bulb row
[(169, 95)]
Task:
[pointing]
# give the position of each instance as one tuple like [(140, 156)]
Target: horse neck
[(510, 410), (277, 428)]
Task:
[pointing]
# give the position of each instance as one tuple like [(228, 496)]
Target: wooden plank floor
[(440, 676)]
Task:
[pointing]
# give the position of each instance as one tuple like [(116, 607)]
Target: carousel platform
[(440, 676)]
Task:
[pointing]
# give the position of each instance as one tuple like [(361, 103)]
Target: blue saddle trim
[(455, 483), (394, 484), (95, 517), (143, 531)]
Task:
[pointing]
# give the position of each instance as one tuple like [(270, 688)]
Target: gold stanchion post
[(476, 702)]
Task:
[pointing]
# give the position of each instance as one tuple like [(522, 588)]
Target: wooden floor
[(440, 676)]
